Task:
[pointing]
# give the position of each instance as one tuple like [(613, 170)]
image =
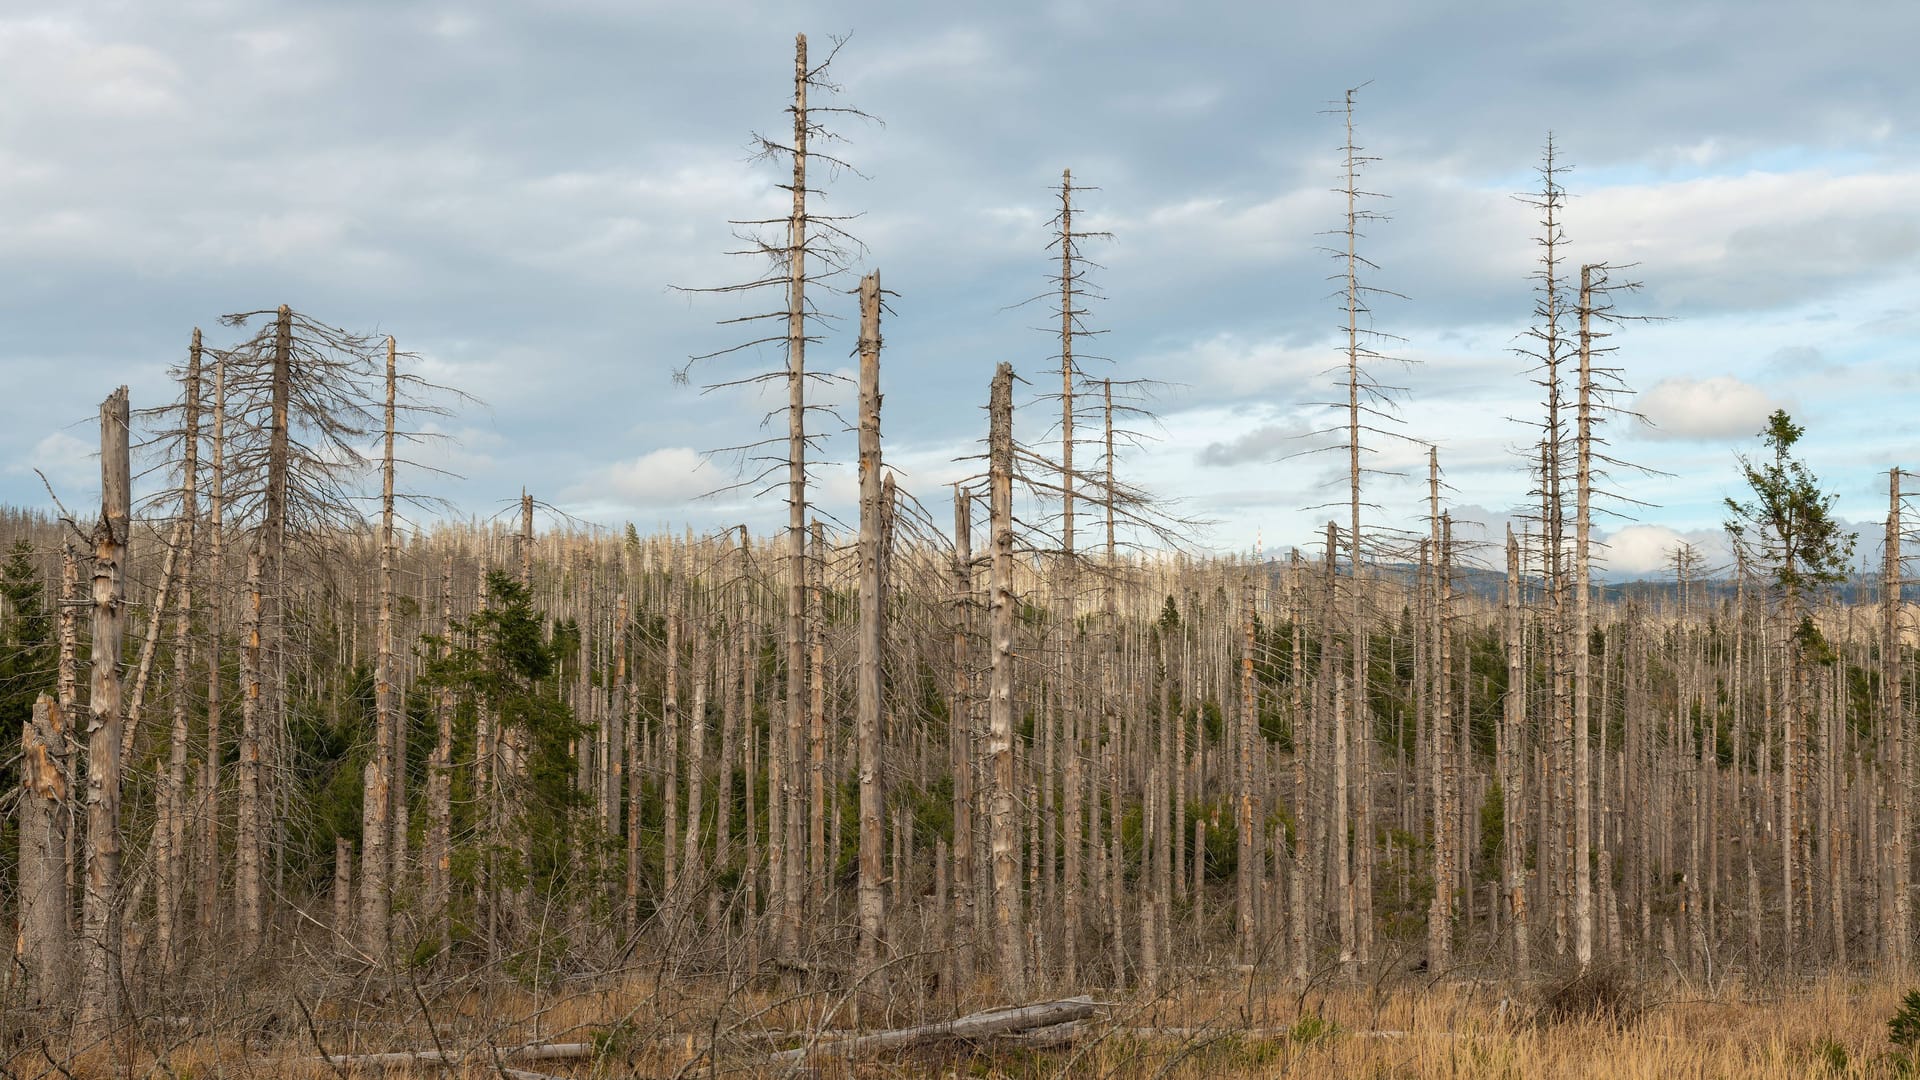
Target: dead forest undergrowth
[(1208, 1025)]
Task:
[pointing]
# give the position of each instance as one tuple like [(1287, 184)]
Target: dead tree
[(169, 836), (872, 633), (299, 411), (46, 948), (101, 914), (1896, 912), (815, 249), (1000, 608)]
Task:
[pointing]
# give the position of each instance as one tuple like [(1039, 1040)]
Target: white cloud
[(68, 464), (61, 68), (1647, 550), (667, 477), (1720, 407), (1756, 239)]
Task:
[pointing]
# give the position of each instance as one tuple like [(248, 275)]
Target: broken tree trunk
[(976, 1025), (100, 912), (44, 939)]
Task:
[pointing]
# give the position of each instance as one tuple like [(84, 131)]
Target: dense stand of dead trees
[(1725, 828), (893, 759)]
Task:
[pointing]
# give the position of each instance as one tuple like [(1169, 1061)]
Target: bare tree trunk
[(1000, 610), (818, 786), (1243, 784), (791, 908), (1447, 774), (376, 823), (343, 891), (1898, 913), (1303, 748), (681, 568), (270, 735), (1514, 812), (735, 652), (439, 846), (1361, 729), (150, 641), (210, 767), (1580, 636), (960, 734), (873, 628), (45, 941), (690, 876), (170, 834), (247, 829), (100, 982)]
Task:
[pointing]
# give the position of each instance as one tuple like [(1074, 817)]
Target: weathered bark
[(210, 765), (974, 1026), (960, 734), (796, 629), (1303, 747), (678, 568), (379, 867), (275, 650), (1360, 897), (170, 796), (247, 883), (1580, 635), (691, 877), (818, 785), (1440, 913), (101, 916), (343, 899), (1000, 610), (1243, 784), (46, 946), (1514, 810), (872, 629), (439, 840)]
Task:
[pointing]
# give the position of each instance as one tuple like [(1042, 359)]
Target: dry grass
[(1833, 1028)]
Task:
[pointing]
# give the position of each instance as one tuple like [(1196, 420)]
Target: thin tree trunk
[(796, 257), (1000, 611), (439, 846), (818, 786), (210, 767), (1514, 812), (376, 820), (1581, 634), (1899, 918), (169, 841), (691, 878), (960, 734), (1243, 784), (873, 629)]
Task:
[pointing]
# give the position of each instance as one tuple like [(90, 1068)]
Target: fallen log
[(973, 1026), (406, 1059)]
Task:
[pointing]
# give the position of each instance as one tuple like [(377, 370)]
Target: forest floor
[(1832, 1027)]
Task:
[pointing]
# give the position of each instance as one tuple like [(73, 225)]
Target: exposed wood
[(101, 915), (1007, 916), (872, 630), (973, 1026), (46, 944)]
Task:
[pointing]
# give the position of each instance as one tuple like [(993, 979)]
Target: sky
[(513, 191)]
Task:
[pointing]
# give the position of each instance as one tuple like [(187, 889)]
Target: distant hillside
[(1489, 584)]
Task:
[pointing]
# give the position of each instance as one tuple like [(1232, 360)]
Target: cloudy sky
[(511, 189)]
